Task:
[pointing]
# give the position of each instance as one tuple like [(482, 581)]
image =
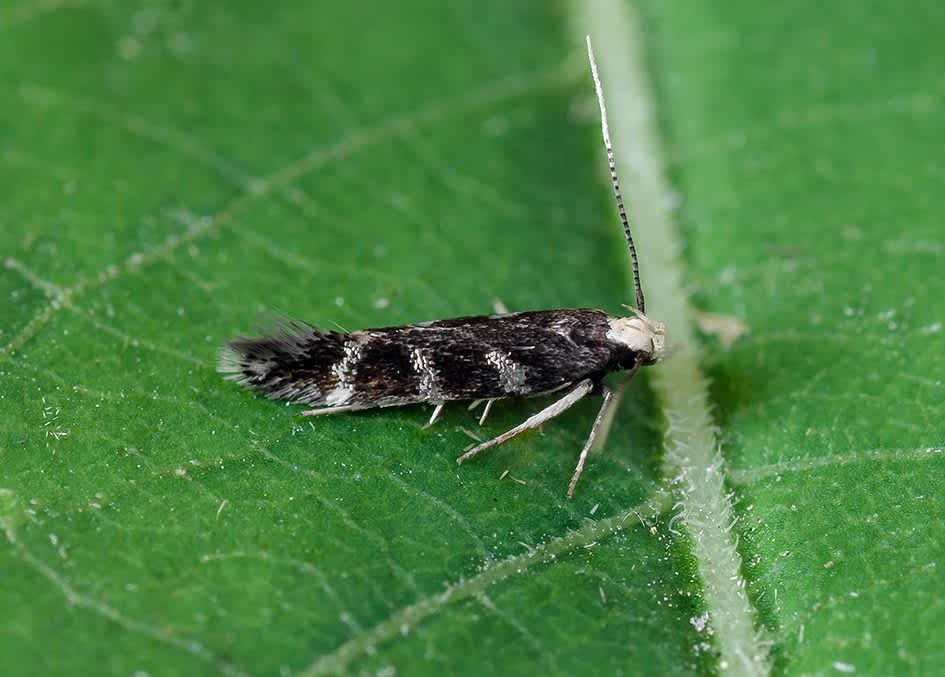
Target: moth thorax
[(640, 334)]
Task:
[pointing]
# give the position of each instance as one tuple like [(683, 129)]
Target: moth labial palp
[(483, 358)]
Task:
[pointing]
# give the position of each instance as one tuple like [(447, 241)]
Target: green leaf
[(805, 143), (171, 171)]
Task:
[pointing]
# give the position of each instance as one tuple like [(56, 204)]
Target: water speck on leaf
[(129, 48), (497, 125)]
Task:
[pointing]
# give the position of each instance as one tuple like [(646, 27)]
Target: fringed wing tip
[(231, 363), (284, 364), (237, 366), (277, 324), (281, 336)]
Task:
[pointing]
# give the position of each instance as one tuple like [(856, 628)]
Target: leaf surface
[(805, 143), (170, 173)]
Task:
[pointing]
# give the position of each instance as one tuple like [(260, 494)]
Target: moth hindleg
[(535, 420), (324, 411)]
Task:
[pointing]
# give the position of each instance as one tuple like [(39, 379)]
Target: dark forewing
[(479, 357)]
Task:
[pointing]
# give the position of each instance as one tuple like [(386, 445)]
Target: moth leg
[(436, 414), (324, 411), (605, 408), (604, 432), (485, 411), (476, 403), (535, 420)]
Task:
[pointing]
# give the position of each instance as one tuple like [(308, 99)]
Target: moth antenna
[(605, 131)]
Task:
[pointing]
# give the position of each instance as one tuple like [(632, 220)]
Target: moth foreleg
[(549, 412), (602, 415), (600, 438)]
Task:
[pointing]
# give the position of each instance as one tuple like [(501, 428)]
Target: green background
[(169, 171), (805, 141)]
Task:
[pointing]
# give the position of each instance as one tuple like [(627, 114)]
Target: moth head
[(645, 337)]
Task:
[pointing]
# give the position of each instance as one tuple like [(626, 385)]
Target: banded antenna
[(605, 131)]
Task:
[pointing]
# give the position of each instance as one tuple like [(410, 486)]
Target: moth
[(481, 358)]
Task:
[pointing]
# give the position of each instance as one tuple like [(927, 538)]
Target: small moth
[(479, 358)]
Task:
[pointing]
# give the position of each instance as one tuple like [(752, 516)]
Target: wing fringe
[(290, 361)]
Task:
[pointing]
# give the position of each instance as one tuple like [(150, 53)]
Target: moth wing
[(292, 361)]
